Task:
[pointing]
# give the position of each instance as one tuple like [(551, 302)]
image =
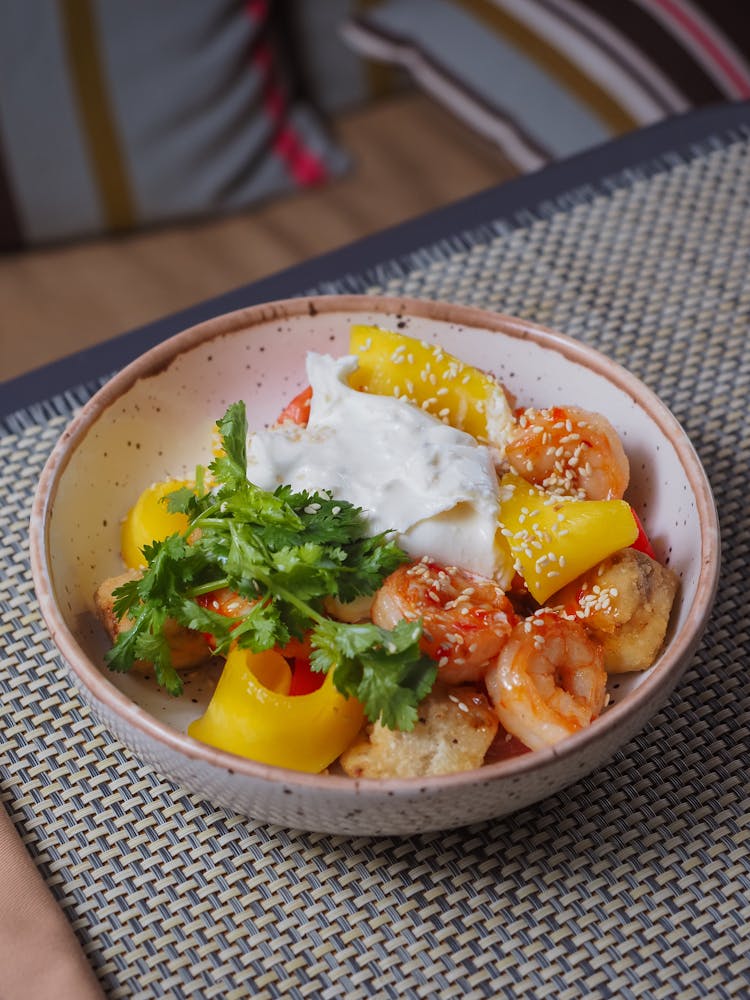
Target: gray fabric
[(338, 77), (473, 57), (183, 121), (190, 123), (47, 163)]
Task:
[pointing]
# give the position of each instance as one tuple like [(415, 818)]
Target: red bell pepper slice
[(305, 680), (298, 411), (642, 543)]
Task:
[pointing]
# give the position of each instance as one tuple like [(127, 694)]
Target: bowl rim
[(654, 688)]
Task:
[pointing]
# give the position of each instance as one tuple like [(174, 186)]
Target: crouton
[(455, 727), (625, 602)]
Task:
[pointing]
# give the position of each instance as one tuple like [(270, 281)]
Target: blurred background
[(156, 154)]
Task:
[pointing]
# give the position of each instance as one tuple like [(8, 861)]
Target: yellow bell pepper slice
[(150, 521), (392, 364), (553, 539), (251, 715)]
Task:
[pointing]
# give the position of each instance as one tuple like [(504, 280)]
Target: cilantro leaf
[(262, 628), (325, 519), (384, 670), (230, 468), (126, 596), (369, 562), (284, 553), (246, 557), (308, 570), (181, 501), (146, 640), (251, 505), (170, 562), (195, 616)]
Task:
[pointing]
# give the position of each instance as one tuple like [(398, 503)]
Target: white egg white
[(432, 484)]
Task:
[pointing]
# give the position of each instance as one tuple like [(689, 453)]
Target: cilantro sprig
[(285, 552)]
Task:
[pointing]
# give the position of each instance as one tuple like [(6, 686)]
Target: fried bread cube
[(453, 732), (625, 603)]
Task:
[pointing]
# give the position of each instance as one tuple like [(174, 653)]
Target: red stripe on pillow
[(706, 42), (275, 97), (301, 162), (257, 9), (304, 166)]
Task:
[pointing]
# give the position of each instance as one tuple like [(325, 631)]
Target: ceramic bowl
[(153, 421)]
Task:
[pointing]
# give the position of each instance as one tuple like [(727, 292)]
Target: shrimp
[(466, 618), (570, 452), (549, 680)]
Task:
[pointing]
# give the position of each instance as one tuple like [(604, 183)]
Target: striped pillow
[(118, 114), (547, 78)]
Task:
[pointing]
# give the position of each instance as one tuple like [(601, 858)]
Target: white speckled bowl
[(154, 420)]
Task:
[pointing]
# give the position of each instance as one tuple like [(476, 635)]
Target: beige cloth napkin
[(40, 957)]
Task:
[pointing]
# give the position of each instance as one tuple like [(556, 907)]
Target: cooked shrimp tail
[(569, 451), (548, 681)]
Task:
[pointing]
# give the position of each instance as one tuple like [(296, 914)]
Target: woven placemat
[(634, 882)]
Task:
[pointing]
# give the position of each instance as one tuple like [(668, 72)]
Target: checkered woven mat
[(634, 882)]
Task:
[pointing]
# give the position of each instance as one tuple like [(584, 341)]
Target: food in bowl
[(407, 574)]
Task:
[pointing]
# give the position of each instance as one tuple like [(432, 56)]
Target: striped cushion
[(547, 78), (117, 114), (335, 74)]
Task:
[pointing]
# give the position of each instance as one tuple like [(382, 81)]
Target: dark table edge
[(513, 203)]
